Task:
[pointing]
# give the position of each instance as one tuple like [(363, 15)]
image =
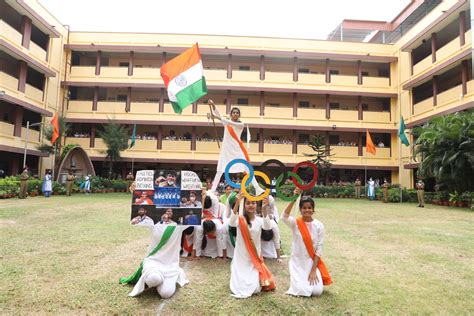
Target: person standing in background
[(47, 184), (24, 176)]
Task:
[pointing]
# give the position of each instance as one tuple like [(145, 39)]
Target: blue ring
[(227, 169)]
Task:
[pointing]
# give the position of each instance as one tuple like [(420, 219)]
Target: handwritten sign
[(190, 181), (144, 180)]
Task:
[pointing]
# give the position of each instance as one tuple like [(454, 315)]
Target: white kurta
[(165, 261), (300, 262), (244, 280), (87, 183), (48, 184), (269, 247), (230, 148), (214, 247)]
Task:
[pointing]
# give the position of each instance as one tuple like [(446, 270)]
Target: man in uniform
[(385, 190), (420, 192), (69, 182), (357, 185), (24, 176), (129, 179)]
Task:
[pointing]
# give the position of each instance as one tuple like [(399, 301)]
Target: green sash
[(133, 278), (232, 239)]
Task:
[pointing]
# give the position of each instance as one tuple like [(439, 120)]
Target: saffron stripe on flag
[(180, 64), (189, 95)]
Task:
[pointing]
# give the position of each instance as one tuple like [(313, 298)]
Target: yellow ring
[(251, 197)]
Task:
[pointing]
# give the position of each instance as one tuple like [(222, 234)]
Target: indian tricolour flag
[(184, 79)]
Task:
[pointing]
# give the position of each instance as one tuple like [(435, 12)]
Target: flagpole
[(133, 159), (214, 122), (399, 168)]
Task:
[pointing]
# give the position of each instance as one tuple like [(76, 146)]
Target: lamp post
[(28, 125)]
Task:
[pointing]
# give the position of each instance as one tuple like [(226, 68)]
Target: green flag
[(133, 135), (401, 132)]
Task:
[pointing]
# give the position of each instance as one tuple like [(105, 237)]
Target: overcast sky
[(311, 19)]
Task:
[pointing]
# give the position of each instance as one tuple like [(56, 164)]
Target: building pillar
[(260, 140), (22, 68), (328, 108), (161, 106), (26, 26), (195, 107), (92, 139), (18, 120), (462, 28), (262, 67), (262, 103), (163, 58), (95, 99), (328, 74), (464, 76), (359, 72), (229, 66), (328, 145), (97, 62), (48, 45), (129, 100), (435, 90), (295, 69), (159, 141), (193, 138), (411, 63), (359, 144), (228, 102), (295, 105), (434, 44), (359, 108), (295, 142), (131, 60)]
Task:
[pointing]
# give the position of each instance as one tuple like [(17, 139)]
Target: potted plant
[(444, 198), (466, 198), (455, 199), (435, 199)]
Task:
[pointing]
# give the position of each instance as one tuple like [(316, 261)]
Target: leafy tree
[(48, 134), (115, 137), (446, 145), (321, 157)]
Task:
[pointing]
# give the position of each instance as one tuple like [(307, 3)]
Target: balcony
[(449, 96), (31, 95), (7, 138), (244, 79), (423, 106), (344, 115), (376, 117), (15, 38)]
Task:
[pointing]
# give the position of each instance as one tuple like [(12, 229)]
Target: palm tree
[(115, 137), (321, 156), (446, 145)]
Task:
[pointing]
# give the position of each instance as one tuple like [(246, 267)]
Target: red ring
[(315, 175)]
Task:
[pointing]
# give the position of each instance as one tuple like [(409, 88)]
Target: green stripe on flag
[(401, 133), (132, 143), (189, 95)]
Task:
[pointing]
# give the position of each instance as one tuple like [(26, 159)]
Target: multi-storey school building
[(365, 76)]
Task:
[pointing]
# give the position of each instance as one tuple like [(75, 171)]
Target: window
[(333, 106), (244, 68), (303, 70), (242, 101), (333, 72), (124, 64), (303, 104)]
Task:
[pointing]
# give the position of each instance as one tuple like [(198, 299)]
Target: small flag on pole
[(132, 143), (184, 79), (401, 133), (55, 124), (369, 145)]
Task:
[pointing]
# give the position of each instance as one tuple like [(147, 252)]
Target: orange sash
[(309, 247), (186, 246), (232, 133), (265, 276)]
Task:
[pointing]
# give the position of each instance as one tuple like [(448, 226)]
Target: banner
[(163, 196)]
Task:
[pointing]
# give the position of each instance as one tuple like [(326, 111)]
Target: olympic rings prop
[(261, 196), (296, 179)]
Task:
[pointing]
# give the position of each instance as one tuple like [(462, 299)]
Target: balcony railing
[(344, 115), (6, 128), (423, 106), (449, 96), (9, 81), (37, 51), (10, 34), (372, 116), (33, 93)]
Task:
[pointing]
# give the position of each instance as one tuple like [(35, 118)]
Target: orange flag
[(54, 123), (369, 147)]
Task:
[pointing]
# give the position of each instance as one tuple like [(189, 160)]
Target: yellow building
[(363, 77)]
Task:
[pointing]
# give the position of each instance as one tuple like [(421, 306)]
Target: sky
[(308, 19)]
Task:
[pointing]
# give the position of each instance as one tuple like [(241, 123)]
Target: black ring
[(282, 171)]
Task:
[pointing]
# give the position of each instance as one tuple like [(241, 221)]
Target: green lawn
[(65, 255)]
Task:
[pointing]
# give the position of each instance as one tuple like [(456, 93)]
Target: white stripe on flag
[(184, 80)]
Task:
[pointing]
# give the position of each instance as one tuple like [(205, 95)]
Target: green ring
[(277, 187)]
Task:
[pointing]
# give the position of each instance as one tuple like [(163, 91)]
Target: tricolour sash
[(232, 133), (133, 278), (309, 247), (264, 275)]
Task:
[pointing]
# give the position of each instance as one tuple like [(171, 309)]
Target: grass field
[(65, 255)]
